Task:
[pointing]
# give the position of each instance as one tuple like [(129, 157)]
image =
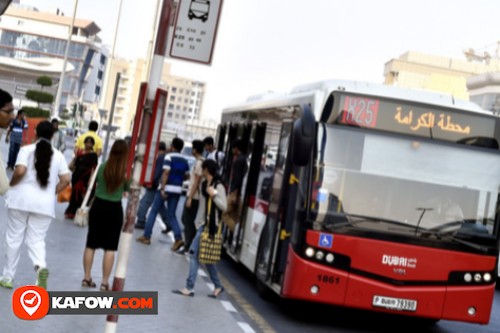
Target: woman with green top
[(106, 213)]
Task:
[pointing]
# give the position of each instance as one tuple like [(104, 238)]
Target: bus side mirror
[(303, 136)]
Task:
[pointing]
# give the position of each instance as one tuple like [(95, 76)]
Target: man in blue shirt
[(148, 197), (175, 171), (15, 132)]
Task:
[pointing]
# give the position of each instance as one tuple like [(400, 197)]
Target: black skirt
[(105, 224)]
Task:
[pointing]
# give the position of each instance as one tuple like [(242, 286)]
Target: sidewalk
[(150, 268)]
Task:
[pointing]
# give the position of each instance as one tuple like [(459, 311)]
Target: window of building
[(100, 74), (184, 109), (181, 91), (97, 90), (170, 106), (174, 90), (172, 98), (103, 59), (186, 100), (177, 107), (169, 114), (176, 116)]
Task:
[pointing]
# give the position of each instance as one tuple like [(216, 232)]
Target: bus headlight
[(478, 277), (320, 255), (310, 252), (468, 277), (487, 277), (330, 258)]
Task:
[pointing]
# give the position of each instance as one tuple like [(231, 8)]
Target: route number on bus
[(360, 111)]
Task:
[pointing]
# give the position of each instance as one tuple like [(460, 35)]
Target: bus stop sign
[(195, 30)]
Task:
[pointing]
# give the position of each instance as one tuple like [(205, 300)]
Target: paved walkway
[(150, 268)]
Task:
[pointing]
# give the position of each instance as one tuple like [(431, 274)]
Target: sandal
[(183, 292), (88, 283), (216, 292), (104, 287)]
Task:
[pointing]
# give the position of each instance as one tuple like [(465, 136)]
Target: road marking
[(261, 323), (228, 306), (246, 328)]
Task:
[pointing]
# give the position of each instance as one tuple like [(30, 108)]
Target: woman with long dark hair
[(40, 173), (83, 166), (106, 213), (213, 202)]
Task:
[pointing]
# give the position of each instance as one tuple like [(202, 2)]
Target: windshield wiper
[(362, 218), (474, 246)]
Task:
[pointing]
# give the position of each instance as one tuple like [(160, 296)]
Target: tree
[(40, 97), (44, 81)]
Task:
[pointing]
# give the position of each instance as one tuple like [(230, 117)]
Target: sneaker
[(42, 274), (177, 245), (144, 240), (166, 231), (6, 282), (181, 250)]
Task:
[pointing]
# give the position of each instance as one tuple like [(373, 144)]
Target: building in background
[(484, 90), (32, 43), (183, 108), (439, 74)]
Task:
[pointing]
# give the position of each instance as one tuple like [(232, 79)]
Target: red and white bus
[(378, 198)]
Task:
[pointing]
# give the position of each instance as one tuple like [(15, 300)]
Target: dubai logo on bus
[(401, 262)]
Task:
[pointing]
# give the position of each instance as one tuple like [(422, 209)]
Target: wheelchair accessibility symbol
[(325, 240)]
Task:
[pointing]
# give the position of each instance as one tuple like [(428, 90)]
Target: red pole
[(126, 236)]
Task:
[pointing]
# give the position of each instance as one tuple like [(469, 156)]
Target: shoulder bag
[(210, 247), (82, 214)]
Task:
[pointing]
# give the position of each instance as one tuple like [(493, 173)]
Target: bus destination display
[(395, 116)]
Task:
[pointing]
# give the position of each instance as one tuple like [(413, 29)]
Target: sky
[(274, 45)]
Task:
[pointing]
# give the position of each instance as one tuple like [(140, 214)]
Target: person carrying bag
[(207, 244), (82, 213)]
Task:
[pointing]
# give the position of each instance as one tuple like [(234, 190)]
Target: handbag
[(64, 195), (4, 180), (210, 247), (82, 214)]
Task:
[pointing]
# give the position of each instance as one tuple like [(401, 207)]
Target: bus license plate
[(399, 304)]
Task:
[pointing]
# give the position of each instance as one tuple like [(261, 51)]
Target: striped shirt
[(16, 130), (178, 167)]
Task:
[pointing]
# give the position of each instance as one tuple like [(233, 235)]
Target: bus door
[(241, 132), (219, 143), (272, 237), (253, 209)]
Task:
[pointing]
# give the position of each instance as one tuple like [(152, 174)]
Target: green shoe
[(42, 274), (6, 282)]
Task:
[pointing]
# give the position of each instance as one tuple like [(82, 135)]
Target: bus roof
[(318, 92)]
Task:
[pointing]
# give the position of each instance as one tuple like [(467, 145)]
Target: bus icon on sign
[(198, 9)]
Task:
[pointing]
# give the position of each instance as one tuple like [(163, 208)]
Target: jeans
[(188, 218), (158, 204), (13, 152), (146, 202), (172, 202), (193, 264)]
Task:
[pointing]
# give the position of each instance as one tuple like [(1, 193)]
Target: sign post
[(195, 30)]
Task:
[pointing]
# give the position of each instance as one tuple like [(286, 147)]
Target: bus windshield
[(373, 182)]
